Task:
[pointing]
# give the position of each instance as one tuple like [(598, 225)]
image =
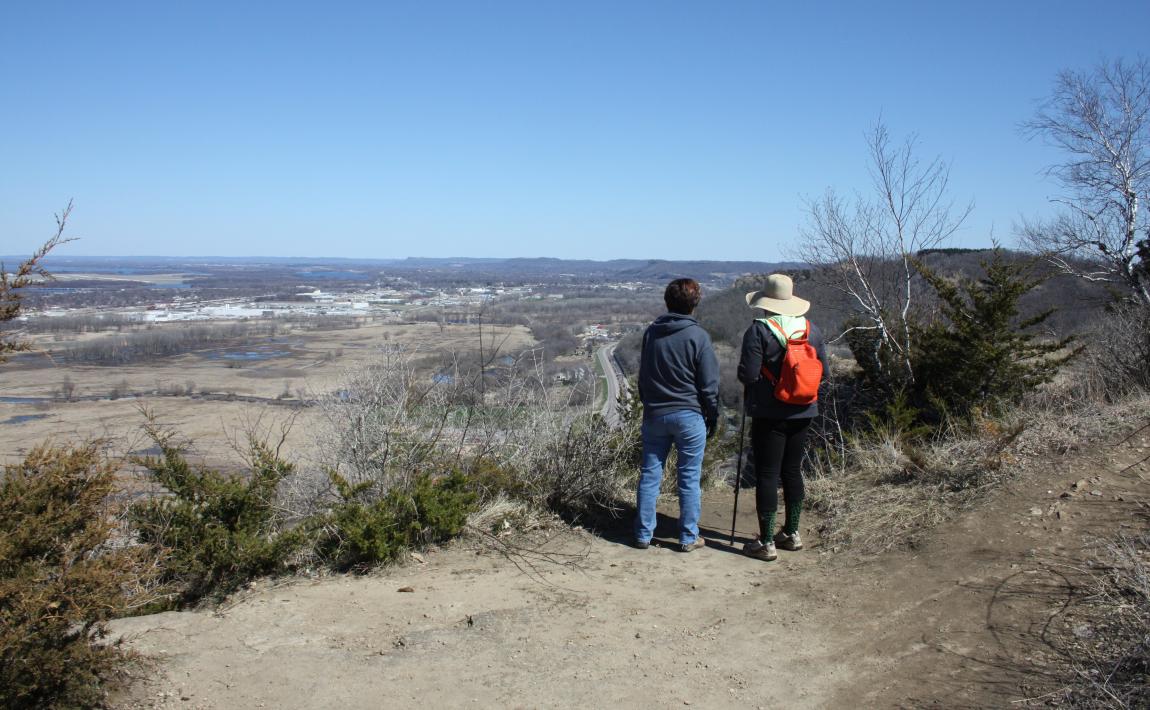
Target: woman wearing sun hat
[(779, 426)]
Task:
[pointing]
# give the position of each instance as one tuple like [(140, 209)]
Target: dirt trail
[(963, 621)]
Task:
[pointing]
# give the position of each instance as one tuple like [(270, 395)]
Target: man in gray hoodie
[(679, 388)]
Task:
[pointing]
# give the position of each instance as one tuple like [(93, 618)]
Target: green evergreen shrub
[(60, 579), (216, 530), (898, 420), (365, 529), (489, 480), (979, 355)]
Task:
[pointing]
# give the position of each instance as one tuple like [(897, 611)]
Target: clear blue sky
[(671, 129)]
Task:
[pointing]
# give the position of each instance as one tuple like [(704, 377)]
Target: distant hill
[(545, 269), (1077, 303)]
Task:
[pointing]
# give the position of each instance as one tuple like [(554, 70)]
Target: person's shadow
[(617, 526)]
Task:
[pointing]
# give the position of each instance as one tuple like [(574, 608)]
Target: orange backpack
[(801, 371)]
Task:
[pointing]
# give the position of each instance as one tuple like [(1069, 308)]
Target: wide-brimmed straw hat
[(778, 296)]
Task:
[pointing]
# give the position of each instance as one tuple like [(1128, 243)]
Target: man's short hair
[(682, 295)]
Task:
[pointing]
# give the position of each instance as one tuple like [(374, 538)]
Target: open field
[(209, 393)]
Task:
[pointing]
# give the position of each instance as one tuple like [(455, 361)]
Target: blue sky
[(663, 129)]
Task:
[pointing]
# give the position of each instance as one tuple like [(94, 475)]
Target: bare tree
[(865, 246), (12, 285), (1101, 120)]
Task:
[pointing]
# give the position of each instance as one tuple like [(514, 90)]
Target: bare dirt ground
[(971, 618)]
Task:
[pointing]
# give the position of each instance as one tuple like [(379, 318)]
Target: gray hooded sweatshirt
[(678, 369)]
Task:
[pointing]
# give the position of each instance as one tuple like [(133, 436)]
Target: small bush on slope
[(1120, 351), (363, 529), (60, 579), (216, 530), (388, 426)]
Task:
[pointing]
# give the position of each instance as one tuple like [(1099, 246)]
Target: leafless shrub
[(67, 390), (1111, 647), (1119, 354), (120, 389), (387, 424), (865, 247), (383, 424)]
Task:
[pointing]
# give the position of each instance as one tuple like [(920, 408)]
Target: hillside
[(984, 612), (1077, 303)]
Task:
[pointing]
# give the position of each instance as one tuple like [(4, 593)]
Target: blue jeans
[(685, 429)]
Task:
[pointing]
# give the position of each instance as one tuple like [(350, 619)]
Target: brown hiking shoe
[(760, 550), (790, 541), (698, 543)]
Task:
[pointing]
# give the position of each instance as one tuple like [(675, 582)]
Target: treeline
[(68, 295), (79, 323), (164, 342)]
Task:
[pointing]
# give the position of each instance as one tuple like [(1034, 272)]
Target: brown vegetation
[(62, 577)]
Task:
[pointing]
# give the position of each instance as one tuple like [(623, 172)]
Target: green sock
[(767, 525), (794, 510)]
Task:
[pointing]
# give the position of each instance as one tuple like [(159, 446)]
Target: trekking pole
[(739, 469)]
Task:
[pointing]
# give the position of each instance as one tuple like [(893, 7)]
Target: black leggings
[(778, 446)]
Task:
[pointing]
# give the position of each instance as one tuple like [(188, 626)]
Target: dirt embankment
[(969, 619)]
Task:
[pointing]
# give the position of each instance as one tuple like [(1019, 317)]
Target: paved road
[(606, 357)]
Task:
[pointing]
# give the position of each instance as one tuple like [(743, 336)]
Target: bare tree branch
[(28, 273), (1101, 121), (865, 247)]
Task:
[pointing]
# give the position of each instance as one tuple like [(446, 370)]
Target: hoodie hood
[(669, 323)]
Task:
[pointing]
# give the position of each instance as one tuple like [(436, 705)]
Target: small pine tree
[(980, 354)]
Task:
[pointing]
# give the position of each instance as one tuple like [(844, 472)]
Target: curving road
[(606, 359)]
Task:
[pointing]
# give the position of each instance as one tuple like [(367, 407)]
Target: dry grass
[(890, 490), (501, 515), (1109, 649)]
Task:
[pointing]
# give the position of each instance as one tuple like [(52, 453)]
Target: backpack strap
[(781, 335)]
